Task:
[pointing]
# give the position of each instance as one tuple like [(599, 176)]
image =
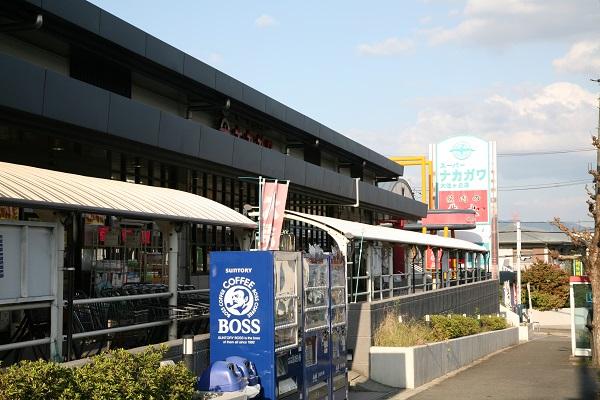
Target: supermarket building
[(90, 94), (84, 92)]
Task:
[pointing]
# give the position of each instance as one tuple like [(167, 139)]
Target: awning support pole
[(173, 255), (56, 308)]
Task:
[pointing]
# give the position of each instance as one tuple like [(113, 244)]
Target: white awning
[(26, 186), (358, 230)]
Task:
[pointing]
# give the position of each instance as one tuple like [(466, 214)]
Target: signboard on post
[(466, 178), (272, 208)]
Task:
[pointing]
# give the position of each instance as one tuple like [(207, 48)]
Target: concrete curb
[(408, 393)]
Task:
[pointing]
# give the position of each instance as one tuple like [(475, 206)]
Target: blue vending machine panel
[(338, 299), (254, 313), (316, 337)]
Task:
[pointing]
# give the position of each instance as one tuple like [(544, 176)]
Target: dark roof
[(535, 233), (97, 21)]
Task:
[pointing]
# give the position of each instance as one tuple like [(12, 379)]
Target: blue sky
[(398, 75)]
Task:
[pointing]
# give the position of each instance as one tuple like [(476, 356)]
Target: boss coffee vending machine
[(286, 313), (255, 308)]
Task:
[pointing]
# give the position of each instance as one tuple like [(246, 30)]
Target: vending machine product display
[(317, 327), (255, 310), (338, 298)]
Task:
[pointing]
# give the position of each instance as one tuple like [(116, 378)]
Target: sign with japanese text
[(466, 178), (476, 200), (463, 176), (462, 163)]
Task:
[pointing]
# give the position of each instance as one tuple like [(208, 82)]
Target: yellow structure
[(426, 175)]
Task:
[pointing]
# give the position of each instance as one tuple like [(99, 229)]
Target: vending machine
[(317, 325), (255, 312), (338, 313)]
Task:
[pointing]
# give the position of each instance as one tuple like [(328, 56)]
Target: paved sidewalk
[(539, 369)]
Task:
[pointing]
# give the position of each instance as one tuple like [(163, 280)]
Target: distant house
[(539, 240)]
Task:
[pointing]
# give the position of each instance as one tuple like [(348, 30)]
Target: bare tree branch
[(591, 194), (579, 238)]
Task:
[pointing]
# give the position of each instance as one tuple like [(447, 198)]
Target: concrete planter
[(525, 332), (410, 367)]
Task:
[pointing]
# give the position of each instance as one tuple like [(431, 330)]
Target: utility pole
[(519, 305), (598, 149)]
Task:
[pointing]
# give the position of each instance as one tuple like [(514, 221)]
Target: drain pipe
[(23, 26), (355, 205)]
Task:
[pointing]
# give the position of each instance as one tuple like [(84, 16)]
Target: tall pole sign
[(466, 178)]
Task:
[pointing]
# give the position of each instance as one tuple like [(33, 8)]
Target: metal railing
[(445, 272)]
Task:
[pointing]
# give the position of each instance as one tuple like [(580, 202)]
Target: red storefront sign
[(460, 218), (466, 199)]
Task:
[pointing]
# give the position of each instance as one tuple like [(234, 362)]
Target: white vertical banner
[(467, 178), (272, 208)]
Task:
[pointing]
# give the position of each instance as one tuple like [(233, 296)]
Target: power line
[(573, 181), (536, 186), (542, 153), (543, 186)]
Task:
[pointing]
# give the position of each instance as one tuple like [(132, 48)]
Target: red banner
[(465, 199), (272, 208)]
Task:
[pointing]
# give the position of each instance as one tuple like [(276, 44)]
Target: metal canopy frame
[(41, 189), (26, 186), (344, 233)]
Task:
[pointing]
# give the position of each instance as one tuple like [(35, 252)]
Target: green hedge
[(117, 375), (492, 323), (456, 326), (392, 332)]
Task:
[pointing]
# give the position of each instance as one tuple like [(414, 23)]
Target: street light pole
[(519, 305)]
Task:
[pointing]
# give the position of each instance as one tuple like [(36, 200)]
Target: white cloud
[(425, 20), (558, 116), (504, 23), (549, 117), (265, 21), (388, 47), (582, 57)]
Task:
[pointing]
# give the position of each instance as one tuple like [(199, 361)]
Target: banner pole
[(260, 211)]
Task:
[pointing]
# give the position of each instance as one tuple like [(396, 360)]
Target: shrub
[(544, 301), (37, 380), (456, 326), (549, 286), (393, 333), (113, 375), (492, 323)]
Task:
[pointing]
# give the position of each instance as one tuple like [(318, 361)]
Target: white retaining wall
[(559, 319), (410, 367)]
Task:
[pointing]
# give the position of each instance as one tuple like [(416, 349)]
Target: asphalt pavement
[(539, 369)]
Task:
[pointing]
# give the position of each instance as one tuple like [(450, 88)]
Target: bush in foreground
[(113, 375)]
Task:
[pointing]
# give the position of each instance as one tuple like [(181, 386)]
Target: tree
[(590, 242), (549, 285)]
